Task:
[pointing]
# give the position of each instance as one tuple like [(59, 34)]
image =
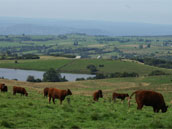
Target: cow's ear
[(166, 106)]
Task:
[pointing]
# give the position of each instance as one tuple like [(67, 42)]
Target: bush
[(92, 68), (100, 76), (29, 56), (80, 79), (157, 72), (53, 76), (32, 79)]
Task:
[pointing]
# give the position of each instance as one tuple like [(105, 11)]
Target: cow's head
[(69, 92), (164, 109), (126, 95), (26, 94), (100, 94)]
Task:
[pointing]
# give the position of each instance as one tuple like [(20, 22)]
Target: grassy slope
[(35, 112), (80, 65), (43, 64)]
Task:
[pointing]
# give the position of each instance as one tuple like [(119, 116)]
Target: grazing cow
[(3, 87), (97, 94), (20, 90), (46, 92), (119, 96), (149, 98), (59, 94)]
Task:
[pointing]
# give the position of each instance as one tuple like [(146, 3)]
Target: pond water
[(22, 75)]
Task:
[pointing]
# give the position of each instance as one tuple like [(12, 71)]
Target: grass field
[(35, 112), (80, 65)]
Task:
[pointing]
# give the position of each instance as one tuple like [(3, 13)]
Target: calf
[(20, 90), (119, 96), (97, 94), (149, 98), (3, 87), (59, 94), (46, 92)]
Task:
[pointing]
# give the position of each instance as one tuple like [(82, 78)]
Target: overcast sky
[(147, 11)]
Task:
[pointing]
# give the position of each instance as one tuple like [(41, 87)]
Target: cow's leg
[(158, 110), (49, 99), (139, 107), (114, 99), (154, 109), (61, 101), (53, 100)]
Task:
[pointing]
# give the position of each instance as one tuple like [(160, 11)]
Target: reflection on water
[(22, 75)]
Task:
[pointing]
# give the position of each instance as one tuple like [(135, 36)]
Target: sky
[(144, 11)]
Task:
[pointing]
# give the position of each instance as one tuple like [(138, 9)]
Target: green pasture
[(34, 111), (35, 64), (80, 65)]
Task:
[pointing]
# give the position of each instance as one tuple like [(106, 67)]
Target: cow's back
[(57, 93), (19, 90), (150, 98)]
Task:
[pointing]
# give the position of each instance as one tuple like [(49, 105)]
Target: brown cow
[(3, 87), (149, 98), (59, 94), (20, 90), (119, 96), (97, 94), (46, 92)]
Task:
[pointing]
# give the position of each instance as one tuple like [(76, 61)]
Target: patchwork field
[(35, 112), (87, 46)]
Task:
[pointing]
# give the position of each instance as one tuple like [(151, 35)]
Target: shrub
[(92, 68), (80, 79), (53, 76), (30, 79), (100, 76), (157, 72)]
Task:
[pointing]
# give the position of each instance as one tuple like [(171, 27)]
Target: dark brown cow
[(59, 94), (3, 87), (149, 98), (97, 94), (46, 92), (20, 90), (119, 96)]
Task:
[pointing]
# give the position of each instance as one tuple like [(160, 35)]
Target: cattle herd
[(143, 97)]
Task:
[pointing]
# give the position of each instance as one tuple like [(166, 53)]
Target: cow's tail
[(129, 99)]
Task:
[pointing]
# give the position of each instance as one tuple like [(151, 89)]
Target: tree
[(52, 76), (30, 79), (148, 46), (157, 72), (140, 46), (92, 68), (75, 43)]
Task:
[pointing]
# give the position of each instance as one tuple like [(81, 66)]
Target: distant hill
[(56, 27)]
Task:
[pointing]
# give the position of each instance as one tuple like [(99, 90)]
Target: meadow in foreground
[(35, 112)]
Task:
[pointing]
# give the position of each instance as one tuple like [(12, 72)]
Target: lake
[(22, 75)]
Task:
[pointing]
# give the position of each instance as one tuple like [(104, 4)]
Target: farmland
[(116, 54), (87, 46), (35, 112)]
